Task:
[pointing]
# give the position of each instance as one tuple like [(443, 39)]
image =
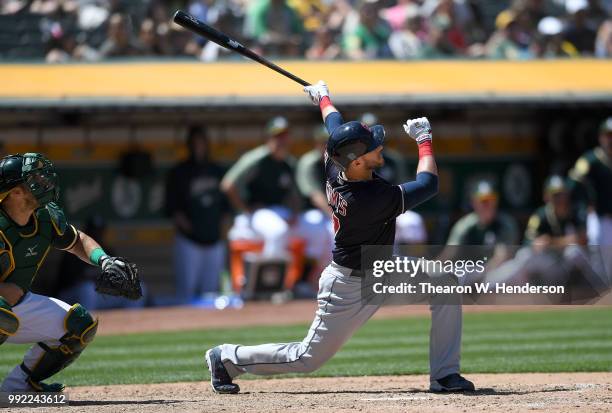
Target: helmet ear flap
[(378, 133), (337, 162), (351, 140), (348, 152)]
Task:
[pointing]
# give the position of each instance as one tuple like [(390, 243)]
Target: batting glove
[(418, 129), (317, 92)]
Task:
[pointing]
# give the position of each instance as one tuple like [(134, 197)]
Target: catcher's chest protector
[(24, 249)]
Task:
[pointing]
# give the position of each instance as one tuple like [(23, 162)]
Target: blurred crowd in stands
[(91, 30)]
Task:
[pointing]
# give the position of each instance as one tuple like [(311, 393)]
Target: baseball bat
[(191, 23)]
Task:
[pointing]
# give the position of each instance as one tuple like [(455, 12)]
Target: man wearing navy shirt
[(364, 209)]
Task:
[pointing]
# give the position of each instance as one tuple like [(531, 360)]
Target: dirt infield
[(503, 393), (565, 392)]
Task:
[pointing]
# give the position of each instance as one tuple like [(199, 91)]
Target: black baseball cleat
[(451, 383), (220, 379)]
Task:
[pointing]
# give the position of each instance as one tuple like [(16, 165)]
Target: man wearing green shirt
[(556, 223), (261, 187), (592, 175), (276, 26), (591, 178), (485, 225), (370, 37), (555, 240)]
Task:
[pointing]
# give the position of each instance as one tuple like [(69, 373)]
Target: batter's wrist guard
[(324, 103), (425, 149)]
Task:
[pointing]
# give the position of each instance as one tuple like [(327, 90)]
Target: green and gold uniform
[(264, 181), (592, 174), (58, 331), (23, 249), (468, 231), (545, 222), (310, 175)]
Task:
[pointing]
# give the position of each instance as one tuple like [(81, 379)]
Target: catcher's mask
[(34, 171)]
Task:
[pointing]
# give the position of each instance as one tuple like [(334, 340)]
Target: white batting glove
[(418, 129), (317, 91)]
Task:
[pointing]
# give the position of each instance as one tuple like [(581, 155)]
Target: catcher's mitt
[(119, 277)]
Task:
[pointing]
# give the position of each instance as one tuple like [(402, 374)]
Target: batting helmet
[(33, 170), (351, 140)]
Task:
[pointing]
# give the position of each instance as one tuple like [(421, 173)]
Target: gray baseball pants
[(340, 313)]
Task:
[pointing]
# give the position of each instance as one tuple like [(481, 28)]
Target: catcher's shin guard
[(9, 323), (80, 331)]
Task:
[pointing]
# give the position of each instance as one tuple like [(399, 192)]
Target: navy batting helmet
[(351, 140)]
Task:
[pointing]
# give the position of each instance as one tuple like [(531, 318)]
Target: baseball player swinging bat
[(364, 210), (192, 24)]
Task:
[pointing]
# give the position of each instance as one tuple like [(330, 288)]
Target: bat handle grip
[(301, 81)]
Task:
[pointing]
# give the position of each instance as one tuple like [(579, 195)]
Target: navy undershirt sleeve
[(332, 121), (420, 190)]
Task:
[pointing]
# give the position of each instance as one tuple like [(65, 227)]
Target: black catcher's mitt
[(119, 277)]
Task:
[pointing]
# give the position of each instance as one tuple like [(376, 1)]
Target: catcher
[(30, 224)]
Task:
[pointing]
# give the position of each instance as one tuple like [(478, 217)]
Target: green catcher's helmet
[(34, 171)]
